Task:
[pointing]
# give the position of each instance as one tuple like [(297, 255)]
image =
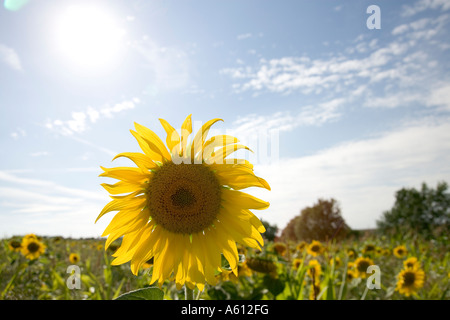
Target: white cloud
[(19, 133), (422, 5), (47, 208), (10, 57), (80, 120), (244, 36), (362, 175), (39, 154), (440, 96)]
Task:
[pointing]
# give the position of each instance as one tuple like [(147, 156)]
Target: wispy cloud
[(18, 133), (422, 5), (367, 72), (39, 154), (10, 57), (48, 208), (362, 174), (80, 120), (244, 36)]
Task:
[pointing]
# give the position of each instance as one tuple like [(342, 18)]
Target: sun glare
[(88, 36)]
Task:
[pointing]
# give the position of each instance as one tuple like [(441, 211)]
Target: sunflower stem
[(188, 293)]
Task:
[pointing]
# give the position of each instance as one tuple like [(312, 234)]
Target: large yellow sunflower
[(183, 207)]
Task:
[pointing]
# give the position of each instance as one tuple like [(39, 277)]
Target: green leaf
[(150, 293)]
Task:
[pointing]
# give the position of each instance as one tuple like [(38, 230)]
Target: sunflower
[(262, 265), (351, 253), (314, 291), (368, 249), (314, 270), (411, 263), (280, 248), (361, 265), (301, 246), (296, 263), (32, 248), (337, 262), (183, 207), (74, 258), (14, 245), (410, 281), (315, 248), (351, 274), (400, 251)]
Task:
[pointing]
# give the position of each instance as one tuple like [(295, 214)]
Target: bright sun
[(88, 36)]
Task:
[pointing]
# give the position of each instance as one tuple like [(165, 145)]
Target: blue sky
[(349, 112)]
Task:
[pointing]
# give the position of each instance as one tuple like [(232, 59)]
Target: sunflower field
[(57, 268)]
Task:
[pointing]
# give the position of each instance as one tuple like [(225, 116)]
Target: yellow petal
[(173, 138), (216, 142), (116, 205), (241, 200), (141, 160), (155, 143), (200, 137), (155, 156), (219, 156), (186, 130), (127, 174), (121, 187)]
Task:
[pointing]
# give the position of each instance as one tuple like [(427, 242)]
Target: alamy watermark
[(374, 20), (374, 280), (74, 280)]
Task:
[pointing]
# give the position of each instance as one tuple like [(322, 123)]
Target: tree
[(323, 221), (425, 211), (271, 231)]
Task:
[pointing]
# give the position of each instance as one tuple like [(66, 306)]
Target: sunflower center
[(33, 247), (315, 248), (184, 198), (363, 265), (409, 278)]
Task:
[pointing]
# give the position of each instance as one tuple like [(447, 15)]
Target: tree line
[(424, 211)]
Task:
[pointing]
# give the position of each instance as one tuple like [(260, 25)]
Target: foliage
[(322, 221), (425, 211), (278, 277)]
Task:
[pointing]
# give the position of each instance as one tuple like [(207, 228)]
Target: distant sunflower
[(32, 248), (361, 265), (280, 248), (336, 261), (351, 274), (411, 263), (351, 253), (368, 249), (14, 245), (296, 263), (74, 258), (183, 207), (410, 281), (314, 291), (400, 251), (261, 265), (315, 270), (315, 248), (301, 246)]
